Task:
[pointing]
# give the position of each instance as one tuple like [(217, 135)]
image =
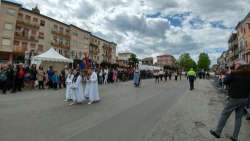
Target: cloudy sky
[(153, 27)]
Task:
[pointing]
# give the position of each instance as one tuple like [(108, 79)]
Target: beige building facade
[(243, 32), (8, 16), (166, 59), (27, 33)]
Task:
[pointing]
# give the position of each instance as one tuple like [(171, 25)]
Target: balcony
[(58, 33), (94, 43), (57, 45), (247, 51), (27, 24), (18, 36)]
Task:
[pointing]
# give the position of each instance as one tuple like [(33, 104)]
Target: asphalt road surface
[(124, 114)]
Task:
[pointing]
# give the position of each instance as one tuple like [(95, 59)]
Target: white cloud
[(125, 22)]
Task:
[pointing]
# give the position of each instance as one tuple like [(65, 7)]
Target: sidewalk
[(194, 115)]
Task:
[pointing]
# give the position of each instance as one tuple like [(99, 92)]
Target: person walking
[(156, 75), (176, 76), (166, 76), (40, 77), (20, 73), (170, 75), (3, 79), (136, 78), (191, 77), (93, 88), (106, 73), (77, 89), (69, 79), (238, 81), (55, 80)]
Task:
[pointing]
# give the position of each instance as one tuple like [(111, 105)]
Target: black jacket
[(238, 84)]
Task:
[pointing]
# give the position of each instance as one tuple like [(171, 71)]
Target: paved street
[(163, 112)]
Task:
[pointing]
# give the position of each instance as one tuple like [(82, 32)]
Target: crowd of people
[(161, 75), (14, 78)]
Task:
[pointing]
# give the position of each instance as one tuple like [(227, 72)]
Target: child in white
[(93, 88), (69, 79)]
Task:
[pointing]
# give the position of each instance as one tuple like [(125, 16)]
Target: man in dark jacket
[(238, 83)]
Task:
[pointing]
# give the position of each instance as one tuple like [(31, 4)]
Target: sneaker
[(214, 134), (233, 139), (90, 103)]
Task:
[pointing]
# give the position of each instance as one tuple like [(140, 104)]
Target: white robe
[(77, 89), (87, 88), (93, 88), (69, 94)]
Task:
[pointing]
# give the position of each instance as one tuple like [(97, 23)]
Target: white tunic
[(69, 94), (93, 89), (77, 89), (87, 88)]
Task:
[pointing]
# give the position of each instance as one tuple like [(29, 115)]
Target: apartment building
[(233, 48), (27, 33), (148, 61), (243, 33), (8, 16), (166, 59)]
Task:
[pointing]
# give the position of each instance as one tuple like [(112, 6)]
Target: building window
[(40, 48), (41, 35), (35, 20), (67, 31), (72, 53), (55, 27), (11, 12), (33, 32), (8, 26), (75, 34), (61, 29), (20, 15), (33, 46), (24, 44), (27, 17), (16, 43), (61, 41), (6, 42), (42, 23)]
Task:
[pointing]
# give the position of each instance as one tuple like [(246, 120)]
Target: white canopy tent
[(147, 67), (51, 56)]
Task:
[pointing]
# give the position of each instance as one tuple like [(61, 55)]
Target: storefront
[(5, 57)]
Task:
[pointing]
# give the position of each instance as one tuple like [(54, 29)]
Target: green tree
[(204, 61), (186, 62), (133, 60)]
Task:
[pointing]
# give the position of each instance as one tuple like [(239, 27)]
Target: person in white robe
[(69, 79), (77, 89), (93, 88), (87, 86), (106, 73)]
